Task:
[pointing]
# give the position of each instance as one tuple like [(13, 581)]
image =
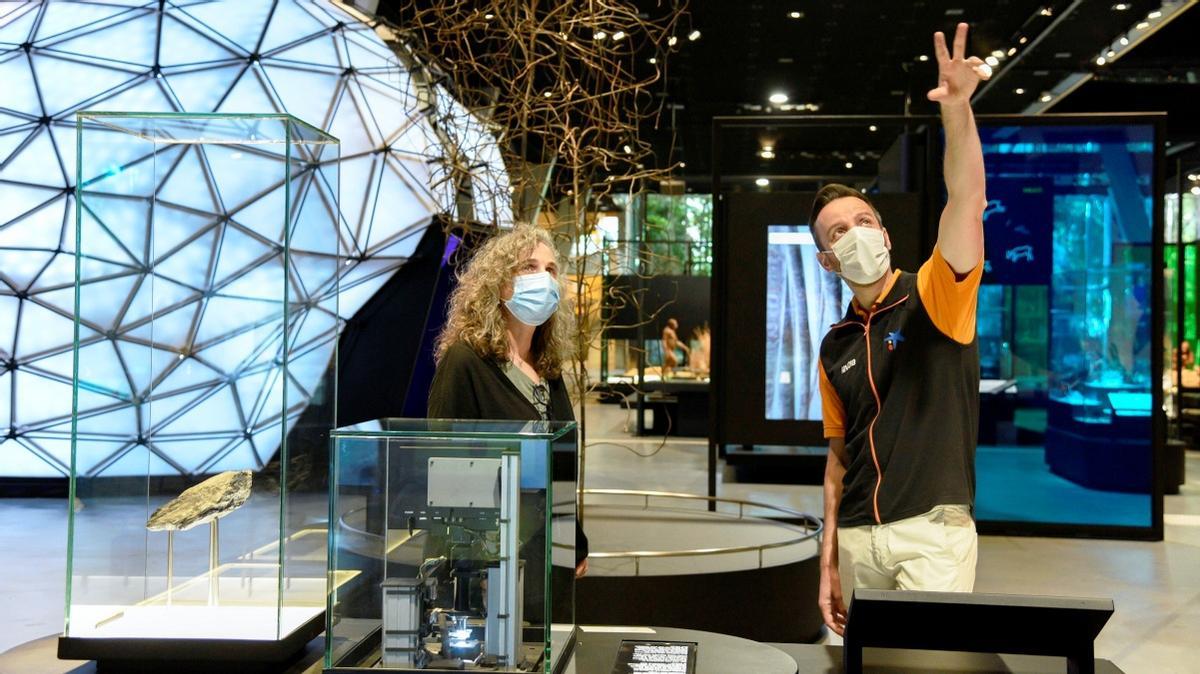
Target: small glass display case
[(452, 546), (205, 316)]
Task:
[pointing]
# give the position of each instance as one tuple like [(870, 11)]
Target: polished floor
[(1155, 586)]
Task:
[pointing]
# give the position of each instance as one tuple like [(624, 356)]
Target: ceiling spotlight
[(1120, 7), (812, 107), (1019, 91), (1012, 50), (767, 153), (1196, 190), (872, 128), (849, 164), (999, 53), (1143, 25), (1023, 40), (1046, 11), (682, 164), (1111, 53), (1046, 98), (1124, 42), (489, 16), (795, 15), (694, 35), (923, 57), (628, 150), (599, 35), (619, 35), (546, 94), (653, 60), (1101, 61), (762, 182), (778, 98), (1193, 177), (992, 61), (1154, 15), (672, 40)]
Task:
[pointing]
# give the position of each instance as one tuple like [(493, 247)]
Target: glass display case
[(452, 546), (206, 260)]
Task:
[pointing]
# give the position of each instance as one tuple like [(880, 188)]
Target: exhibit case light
[(452, 546), (229, 309)]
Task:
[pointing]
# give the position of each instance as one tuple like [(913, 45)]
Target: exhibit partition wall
[(1069, 320), (202, 331)]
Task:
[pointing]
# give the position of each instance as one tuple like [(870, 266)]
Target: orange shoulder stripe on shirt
[(833, 415), (949, 300)]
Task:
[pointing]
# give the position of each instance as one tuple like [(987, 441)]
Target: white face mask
[(862, 254)]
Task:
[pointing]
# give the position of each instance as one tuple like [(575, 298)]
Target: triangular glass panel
[(271, 404), (61, 272), (249, 390), (229, 355), (136, 462), (41, 229), (101, 244), (265, 215), (308, 369), (404, 243), (242, 174), (121, 419), (125, 224), (187, 185), (42, 330), (100, 370), (17, 460), (350, 126), (155, 295), (61, 19), (202, 90), (266, 442), (239, 23), (144, 363), (190, 264), (11, 140), (216, 413), (191, 454), (115, 162), (40, 399), (88, 453), (383, 104), (314, 228), (248, 95), (359, 177), (137, 37), (314, 272), (160, 411), (20, 92), (307, 95), (320, 52), (240, 457), (225, 315), (100, 302), (88, 81), (147, 96), (264, 282), (189, 373), (361, 271), (350, 300), (288, 23), (238, 252), (18, 22), (21, 270), (366, 54), (172, 227), (19, 200)]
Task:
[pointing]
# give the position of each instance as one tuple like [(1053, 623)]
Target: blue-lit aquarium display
[(1065, 325)]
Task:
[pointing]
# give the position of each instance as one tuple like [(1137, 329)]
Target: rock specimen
[(215, 497)]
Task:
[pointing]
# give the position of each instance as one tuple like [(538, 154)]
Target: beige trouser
[(935, 551)]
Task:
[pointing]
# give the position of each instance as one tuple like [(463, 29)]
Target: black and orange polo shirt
[(900, 382)]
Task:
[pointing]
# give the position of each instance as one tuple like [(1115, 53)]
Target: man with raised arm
[(899, 377)]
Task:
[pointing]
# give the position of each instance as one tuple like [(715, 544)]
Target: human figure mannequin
[(670, 342)]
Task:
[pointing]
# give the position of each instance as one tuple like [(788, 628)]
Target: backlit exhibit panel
[(311, 59), (1065, 325), (803, 300)]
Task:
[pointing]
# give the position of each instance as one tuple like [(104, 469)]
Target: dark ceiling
[(862, 57)]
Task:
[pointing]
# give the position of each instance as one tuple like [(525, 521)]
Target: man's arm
[(833, 605), (960, 231)]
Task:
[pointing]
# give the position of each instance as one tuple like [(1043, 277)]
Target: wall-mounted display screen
[(803, 300)]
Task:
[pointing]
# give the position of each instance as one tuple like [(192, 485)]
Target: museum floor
[(1155, 586)]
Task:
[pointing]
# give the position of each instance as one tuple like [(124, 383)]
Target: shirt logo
[(847, 366), (893, 340)]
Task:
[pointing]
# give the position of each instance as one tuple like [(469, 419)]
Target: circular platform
[(675, 563)]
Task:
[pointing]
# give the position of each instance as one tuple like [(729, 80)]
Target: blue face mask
[(535, 298)]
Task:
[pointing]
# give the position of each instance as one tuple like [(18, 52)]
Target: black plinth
[(979, 623)]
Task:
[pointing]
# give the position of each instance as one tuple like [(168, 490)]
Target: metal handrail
[(810, 522)]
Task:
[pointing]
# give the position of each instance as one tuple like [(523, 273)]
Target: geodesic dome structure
[(313, 60)]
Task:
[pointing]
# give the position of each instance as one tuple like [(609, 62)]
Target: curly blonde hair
[(476, 316)]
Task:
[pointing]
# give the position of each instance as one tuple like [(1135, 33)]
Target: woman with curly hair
[(508, 333)]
